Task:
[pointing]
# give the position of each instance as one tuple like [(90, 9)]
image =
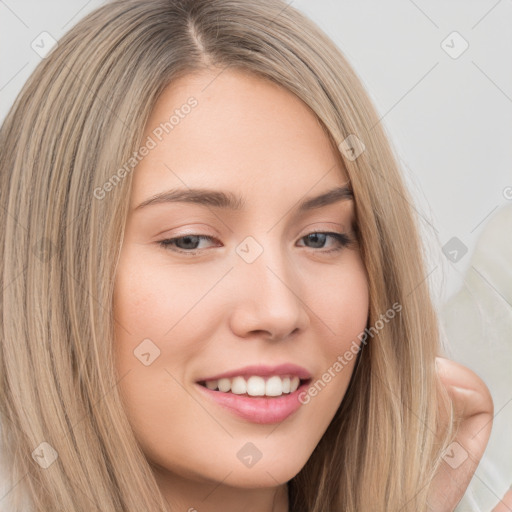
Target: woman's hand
[(474, 410), (505, 505)]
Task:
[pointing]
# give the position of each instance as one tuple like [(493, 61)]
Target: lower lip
[(259, 409)]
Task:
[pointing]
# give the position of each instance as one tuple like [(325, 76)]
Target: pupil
[(317, 236), (185, 239)]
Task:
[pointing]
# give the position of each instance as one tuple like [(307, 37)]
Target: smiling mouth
[(266, 387)]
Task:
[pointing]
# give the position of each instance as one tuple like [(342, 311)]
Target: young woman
[(213, 294)]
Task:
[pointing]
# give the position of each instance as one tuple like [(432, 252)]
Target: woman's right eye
[(187, 244)]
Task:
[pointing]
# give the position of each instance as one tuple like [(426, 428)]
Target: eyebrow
[(230, 201)]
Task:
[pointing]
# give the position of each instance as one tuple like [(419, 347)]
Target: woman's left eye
[(319, 239), (189, 244)]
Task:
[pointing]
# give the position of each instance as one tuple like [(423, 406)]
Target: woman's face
[(242, 284)]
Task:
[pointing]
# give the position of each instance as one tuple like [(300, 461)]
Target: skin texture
[(213, 311)]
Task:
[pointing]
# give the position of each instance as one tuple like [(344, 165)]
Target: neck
[(213, 496)]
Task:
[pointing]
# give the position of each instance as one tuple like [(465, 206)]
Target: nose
[(268, 298)]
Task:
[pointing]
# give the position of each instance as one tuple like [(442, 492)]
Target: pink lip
[(263, 371), (259, 409)]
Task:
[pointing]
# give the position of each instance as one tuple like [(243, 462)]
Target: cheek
[(158, 319), (147, 301), (340, 299), (149, 365), (340, 303)]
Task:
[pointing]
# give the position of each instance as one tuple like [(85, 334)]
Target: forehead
[(232, 129)]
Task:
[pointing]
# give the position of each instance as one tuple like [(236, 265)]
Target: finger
[(473, 410), (472, 404), (505, 505)]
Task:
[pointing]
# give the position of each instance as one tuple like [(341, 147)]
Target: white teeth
[(211, 384), (224, 385), (294, 384), (255, 385), (274, 386), (238, 386)]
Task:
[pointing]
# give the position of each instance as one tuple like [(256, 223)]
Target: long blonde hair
[(79, 117)]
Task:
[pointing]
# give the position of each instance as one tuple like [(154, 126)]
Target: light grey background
[(449, 119)]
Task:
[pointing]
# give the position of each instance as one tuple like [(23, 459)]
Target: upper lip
[(247, 371)]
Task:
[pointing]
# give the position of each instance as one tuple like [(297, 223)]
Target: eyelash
[(342, 238)]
